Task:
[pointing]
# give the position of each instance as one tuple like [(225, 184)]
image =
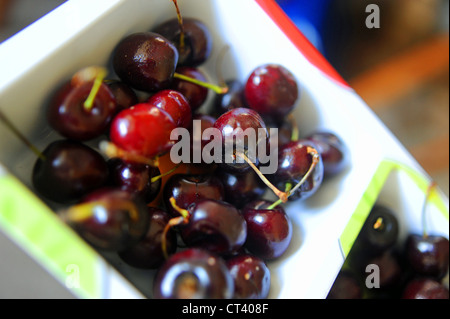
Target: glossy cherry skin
[(69, 117), (70, 171), (251, 277), (294, 161), (216, 226), (135, 178), (271, 90), (193, 274), (232, 126), (428, 255), (146, 61), (194, 93), (148, 253), (233, 99), (333, 151), (115, 219), (240, 189), (198, 40), (200, 122), (425, 288), (186, 189), (124, 94), (345, 286), (269, 231), (174, 103), (143, 129)]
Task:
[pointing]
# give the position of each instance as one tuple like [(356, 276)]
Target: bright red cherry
[(174, 103), (272, 91), (143, 129)]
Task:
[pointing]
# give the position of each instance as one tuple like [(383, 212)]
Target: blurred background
[(401, 68)]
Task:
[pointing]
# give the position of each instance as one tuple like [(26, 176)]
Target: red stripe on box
[(282, 20)]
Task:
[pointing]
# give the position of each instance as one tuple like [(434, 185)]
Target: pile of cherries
[(380, 265), (206, 228)]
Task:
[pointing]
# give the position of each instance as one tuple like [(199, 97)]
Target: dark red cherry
[(195, 94), (233, 99), (109, 219), (193, 274), (295, 160), (333, 151), (69, 171), (124, 94), (72, 118), (345, 286), (425, 288), (428, 255), (272, 91), (269, 230), (174, 103), (234, 127), (197, 40), (241, 188), (214, 225), (200, 122), (143, 129), (186, 189), (146, 61), (147, 253), (251, 277), (135, 178)]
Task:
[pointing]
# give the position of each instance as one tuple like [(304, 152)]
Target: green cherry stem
[(430, 189), (279, 201), (89, 103), (16, 132), (215, 88), (157, 178)]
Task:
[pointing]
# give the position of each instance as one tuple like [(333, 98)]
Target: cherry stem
[(430, 189), (295, 131), (111, 150), (176, 221), (16, 132), (89, 103), (278, 202), (283, 196), (181, 24), (157, 178), (379, 223), (215, 88)]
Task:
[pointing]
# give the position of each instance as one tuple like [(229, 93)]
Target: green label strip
[(370, 196), (38, 230)]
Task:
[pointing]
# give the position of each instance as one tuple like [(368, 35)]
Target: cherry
[(241, 189), (390, 270), (124, 94), (193, 274), (428, 255), (299, 165), (232, 126), (196, 135), (108, 219), (214, 225), (143, 129), (345, 286), (272, 91), (332, 150), (195, 94), (137, 178), (147, 253), (269, 229), (191, 37), (146, 61), (233, 99), (175, 103), (68, 170), (425, 288), (186, 189), (83, 108), (251, 277)]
